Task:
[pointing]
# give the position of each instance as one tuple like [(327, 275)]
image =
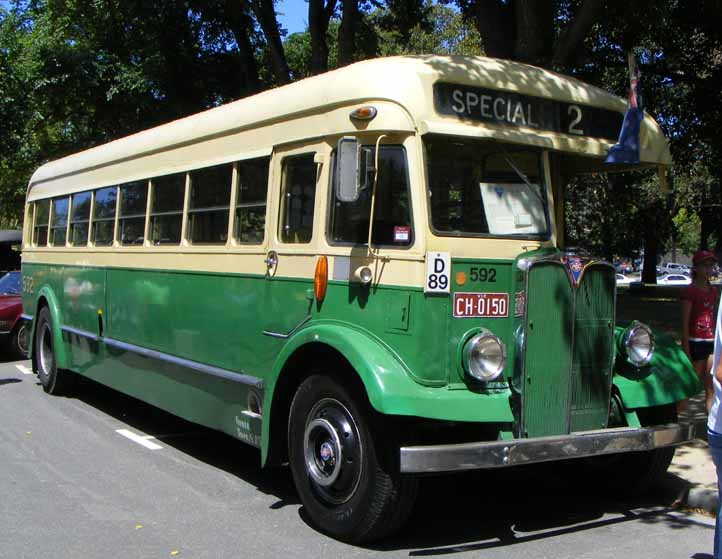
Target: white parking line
[(143, 441), (23, 369)]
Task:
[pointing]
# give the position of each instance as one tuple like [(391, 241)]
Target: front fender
[(389, 386), (61, 356), (668, 378)]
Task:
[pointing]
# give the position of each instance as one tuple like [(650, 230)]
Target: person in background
[(699, 302), (714, 429)]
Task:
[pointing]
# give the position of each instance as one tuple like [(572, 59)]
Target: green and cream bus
[(362, 274)]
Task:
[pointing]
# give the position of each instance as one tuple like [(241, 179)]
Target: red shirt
[(702, 317)]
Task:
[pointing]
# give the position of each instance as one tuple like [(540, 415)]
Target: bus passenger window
[(392, 209), (299, 197), (133, 202), (42, 215), (166, 210), (79, 219), (209, 203), (250, 218), (104, 216), (59, 222)]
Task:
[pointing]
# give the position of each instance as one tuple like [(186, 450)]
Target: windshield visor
[(481, 188)]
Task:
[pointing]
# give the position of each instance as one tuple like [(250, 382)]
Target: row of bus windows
[(208, 210), (90, 217)]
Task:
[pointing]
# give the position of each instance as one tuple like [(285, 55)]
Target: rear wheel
[(19, 340), (54, 380), (347, 477)]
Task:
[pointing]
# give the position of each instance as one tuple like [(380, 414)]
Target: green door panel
[(668, 378)]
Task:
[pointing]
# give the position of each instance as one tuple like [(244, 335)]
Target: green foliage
[(686, 231)]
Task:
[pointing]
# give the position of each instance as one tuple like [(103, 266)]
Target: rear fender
[(668, 378)]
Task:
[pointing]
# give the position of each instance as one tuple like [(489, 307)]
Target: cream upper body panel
[(400, 87)]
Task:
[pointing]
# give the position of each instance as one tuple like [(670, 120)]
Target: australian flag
[(626, 150)]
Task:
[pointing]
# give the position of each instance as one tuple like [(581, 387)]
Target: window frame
[(306, 151), (51, 228), (117, 236), (93, 219), (72, 222), (36, 226), (331, 203), (182, 212), (235, 195), (186, 239), (544, 191)]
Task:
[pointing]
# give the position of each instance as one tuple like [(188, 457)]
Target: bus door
[(299, 176)]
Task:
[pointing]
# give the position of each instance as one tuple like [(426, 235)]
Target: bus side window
[(392, 210), (210, 200), (104, 216), (42, 216), (59, 222), (133, 202), (249, 221), (299, 198), (166, 210), (79, 219)]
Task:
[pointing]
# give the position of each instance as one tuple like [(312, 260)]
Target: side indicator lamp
[(363, 113), (320, 278), (363, 275)]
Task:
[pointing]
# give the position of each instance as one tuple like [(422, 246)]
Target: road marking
[(143, 441), (23, 369)]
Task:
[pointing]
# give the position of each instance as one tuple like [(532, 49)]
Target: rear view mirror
[(347, 185)]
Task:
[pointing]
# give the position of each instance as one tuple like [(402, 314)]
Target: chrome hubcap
[(332, 451), (46, 350)]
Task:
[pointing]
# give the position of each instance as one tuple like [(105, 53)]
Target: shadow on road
[(460, 513)]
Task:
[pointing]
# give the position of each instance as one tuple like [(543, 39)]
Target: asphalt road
[(73, 487)]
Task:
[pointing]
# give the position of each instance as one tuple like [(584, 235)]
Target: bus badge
[(576, 266)]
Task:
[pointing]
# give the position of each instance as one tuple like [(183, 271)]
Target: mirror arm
[(373, 193)]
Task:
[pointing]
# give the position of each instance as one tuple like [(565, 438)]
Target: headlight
[(638, 343), (484, 356)]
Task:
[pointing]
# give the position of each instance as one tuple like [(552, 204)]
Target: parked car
[(13, 329), (674, 279), (623, 280), (674, 268)]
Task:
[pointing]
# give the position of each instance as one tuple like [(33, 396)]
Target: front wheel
[(54, 380), (347, 477)]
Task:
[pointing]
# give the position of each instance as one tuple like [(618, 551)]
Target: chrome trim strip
[(26, 316), (291, 333), (81, 333), (255, 382), (500, 454)]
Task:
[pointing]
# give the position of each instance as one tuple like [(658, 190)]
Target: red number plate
[(487, 305)]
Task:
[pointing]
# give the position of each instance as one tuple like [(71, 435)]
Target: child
[(699, 301)]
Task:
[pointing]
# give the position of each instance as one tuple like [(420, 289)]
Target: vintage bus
[(364, 275)]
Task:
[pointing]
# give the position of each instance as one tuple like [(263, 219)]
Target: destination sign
[(513, 109)]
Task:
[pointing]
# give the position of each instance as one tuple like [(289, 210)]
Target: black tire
[(347, 477), (55, 381), (19, 340)]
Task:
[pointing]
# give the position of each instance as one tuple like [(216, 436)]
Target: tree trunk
[(571, 39), (347, 32), (319, 14), (534, 23), (495, 22), (651, 247), (266, 15), (240, 24)]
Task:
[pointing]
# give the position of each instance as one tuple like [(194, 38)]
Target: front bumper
[(500, 454)]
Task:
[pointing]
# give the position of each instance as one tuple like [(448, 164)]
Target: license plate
[(481, 305)]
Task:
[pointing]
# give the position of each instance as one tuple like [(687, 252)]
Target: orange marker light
[(363, 113), (320, 279)]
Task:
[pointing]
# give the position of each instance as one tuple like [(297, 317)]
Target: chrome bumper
[(514, 452)]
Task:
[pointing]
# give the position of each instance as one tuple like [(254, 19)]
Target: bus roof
[(406, 81)]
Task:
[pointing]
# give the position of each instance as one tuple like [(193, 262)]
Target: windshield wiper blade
[(522, 176)]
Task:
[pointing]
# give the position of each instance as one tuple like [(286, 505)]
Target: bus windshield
[(485, 188)]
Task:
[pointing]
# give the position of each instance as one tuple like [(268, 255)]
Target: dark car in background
[(13, 329)]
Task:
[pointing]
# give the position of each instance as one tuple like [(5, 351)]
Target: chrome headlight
[(638, 342), (484, 356)]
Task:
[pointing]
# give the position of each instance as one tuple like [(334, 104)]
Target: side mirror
[(347, 185), (354, 169)]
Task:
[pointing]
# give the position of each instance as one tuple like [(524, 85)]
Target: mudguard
[(61, 356), (389, 387), (669, 376)]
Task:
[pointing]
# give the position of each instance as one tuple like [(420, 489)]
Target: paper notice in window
[(513, 208)]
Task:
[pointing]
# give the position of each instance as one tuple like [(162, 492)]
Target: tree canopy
[(76, 73)]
